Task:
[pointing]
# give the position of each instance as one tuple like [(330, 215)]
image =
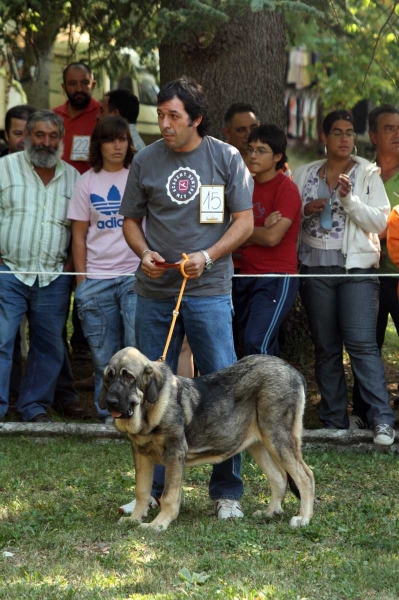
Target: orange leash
[(176, 309)]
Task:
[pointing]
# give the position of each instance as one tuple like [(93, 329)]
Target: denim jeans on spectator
[(46, 308), (107, 309), (65, 393), (343, 311), (389, 305), (207, 322)]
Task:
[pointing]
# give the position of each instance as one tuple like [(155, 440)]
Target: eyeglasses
[(259, 151), (340, 134)]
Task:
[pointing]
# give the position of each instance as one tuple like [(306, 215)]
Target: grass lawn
[(58, 521), (59, 537)]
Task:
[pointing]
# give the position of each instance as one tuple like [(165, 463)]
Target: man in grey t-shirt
[(196, 195)]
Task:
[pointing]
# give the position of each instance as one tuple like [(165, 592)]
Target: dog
[(256, 404)]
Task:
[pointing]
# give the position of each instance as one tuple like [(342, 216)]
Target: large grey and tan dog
[(256, 404)]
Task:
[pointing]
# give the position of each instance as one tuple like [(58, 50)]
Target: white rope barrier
[(297, 275)]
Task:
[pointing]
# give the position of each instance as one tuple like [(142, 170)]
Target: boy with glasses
[(261, 303)]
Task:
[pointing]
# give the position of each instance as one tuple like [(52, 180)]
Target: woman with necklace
[(344, 207)]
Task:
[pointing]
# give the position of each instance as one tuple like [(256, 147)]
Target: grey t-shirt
[(163, 186)]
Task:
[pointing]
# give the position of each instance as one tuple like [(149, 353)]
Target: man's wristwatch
[(208, 260)]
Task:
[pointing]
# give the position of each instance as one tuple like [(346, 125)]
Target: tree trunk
[(37, 88), (245, 62)]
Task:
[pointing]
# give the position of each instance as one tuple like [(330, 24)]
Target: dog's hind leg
[(289, 456), (305, 483), (144, 467), (276, 477), (282, 433)]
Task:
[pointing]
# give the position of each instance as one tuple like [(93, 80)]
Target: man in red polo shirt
[(79, 114)]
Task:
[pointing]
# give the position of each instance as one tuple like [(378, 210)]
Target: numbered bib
[(80, 147), (212, 204)]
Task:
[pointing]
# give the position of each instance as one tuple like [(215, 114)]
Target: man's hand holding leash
[(195, 265)]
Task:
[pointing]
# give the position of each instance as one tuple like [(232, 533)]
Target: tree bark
[(38, 52), (244, 62), (37, 88)]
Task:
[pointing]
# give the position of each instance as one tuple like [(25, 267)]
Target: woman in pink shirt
[(104, 262)]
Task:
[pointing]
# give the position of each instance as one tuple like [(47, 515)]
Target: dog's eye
[(109, 375), (127, 375)]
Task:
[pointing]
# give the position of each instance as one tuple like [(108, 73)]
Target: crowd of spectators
[(79, 190)]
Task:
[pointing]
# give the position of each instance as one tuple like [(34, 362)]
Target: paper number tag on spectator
[(212, 204), (80, 147)]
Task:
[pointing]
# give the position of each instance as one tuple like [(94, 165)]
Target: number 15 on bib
[(212, 204)]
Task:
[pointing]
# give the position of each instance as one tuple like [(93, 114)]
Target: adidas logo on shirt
[(109, 206)]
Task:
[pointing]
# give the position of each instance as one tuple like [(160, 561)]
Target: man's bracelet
[(144, 251)]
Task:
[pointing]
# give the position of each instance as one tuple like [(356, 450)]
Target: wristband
[(144, 251)]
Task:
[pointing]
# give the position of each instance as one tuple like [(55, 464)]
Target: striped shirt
[(34, 231)]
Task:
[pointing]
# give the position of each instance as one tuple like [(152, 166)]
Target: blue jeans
[(343, 311), (207, 322), (388, 305), (261, 305), (46, 308), (107, 309)]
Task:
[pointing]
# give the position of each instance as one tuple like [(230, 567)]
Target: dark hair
[(274, 137), (193, 97), (47, 116), (336, 115), (108, 129), (126, 103), (234, 109), (22, 111), (79, 65), (380, 110)]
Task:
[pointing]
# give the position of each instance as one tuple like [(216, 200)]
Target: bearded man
[(35, 190), (79, 114)]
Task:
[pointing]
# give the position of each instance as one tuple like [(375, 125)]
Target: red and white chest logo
[(183, 185)]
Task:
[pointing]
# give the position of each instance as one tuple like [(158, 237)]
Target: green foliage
[(111, 24), (357, 47), (117, 24), (356, 40)]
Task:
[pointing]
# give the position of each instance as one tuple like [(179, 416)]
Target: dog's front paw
[(151, 527), (269, 513), (299, 521), (125, 520)]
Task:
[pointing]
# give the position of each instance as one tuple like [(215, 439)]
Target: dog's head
[(130, 380)]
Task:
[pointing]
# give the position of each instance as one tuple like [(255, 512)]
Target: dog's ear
[(153, 382), (109, 374)]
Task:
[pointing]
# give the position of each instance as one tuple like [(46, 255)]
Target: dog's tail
[(293, 486)]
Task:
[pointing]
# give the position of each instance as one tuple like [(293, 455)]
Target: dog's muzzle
[(117, 408), (125, 415)]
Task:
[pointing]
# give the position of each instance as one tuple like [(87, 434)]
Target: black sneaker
[(384, 434), (41, 418)]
